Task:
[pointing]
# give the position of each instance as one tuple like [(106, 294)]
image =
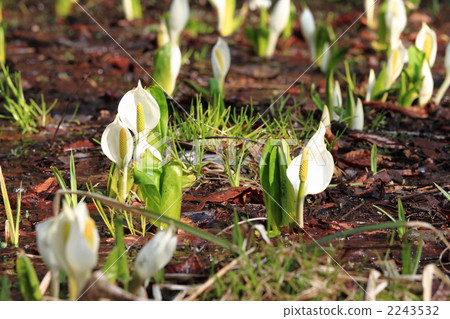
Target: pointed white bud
[(278, 21), (358, 117), (396, 19), (179, 16), (308, 28), (370, 85), (426, 91), (156, 253), (221, 61)]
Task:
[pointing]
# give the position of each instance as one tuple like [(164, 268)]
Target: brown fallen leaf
[(430, 148), (47, 186), (78, 145), (233, 195), (378, 140), (361, 158), (192, 265), (412, 111)]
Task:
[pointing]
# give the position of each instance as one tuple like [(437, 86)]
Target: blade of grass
[(447, 195), (152, 214), (8, 210)]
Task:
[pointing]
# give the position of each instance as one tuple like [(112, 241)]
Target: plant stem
[(54, 285), (123, 178), (442, 89), (72, 288)]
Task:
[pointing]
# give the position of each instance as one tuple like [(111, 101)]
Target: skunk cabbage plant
[(277, 190), (167, 66), (395, 64), (221, 60), (70, 242), (308, 28), (278, 21), (225, 16), (396, 19), (132, 9), (426, 90), (117, 143), (259, 4), (370, 85), (179, 16), (153, 257), (426, 41), (311, 171), (446, 83), (358, 117), (369, 6)]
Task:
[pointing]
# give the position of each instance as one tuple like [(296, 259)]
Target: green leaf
[(63, 8), (5, 289), (373, 158), (149, 186), (258, 37), (382, 27), (348, 232), (329, 94), (378, 88), (171, 191), (274, 162), (161, 72), (316, 98), (214, 92), (337, 55), (197, 88), (116, 266), (28, 280), (73, 179), (349, 107), (415, 60)]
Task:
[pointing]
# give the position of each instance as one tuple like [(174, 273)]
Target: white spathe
[(141, 146), (179, 16), (447, 59), (221, 61), (426, 41), (396, 19), (395, 64), (81, 250), (308, 28), (175, 66), (163, 36), (259, 4), (369, 6), (370, 85), (225, 16), (325, 58), (156, 253), (111, 143), (320, 165), (278, 21), (70, 242), (358, 117), (337, 100), (44, 234), (426, 90), (446, 83), (325, 119), (127, 109)]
